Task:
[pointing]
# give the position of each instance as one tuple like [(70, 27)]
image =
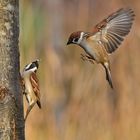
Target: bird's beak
[(37, 60), (68, 42)]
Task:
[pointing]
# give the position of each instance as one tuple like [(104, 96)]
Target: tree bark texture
[(11, 104)]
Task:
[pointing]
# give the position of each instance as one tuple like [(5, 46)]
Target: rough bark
[(11, 104)]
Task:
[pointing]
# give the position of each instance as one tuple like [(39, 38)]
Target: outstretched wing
[(112, 30), (35, 85)]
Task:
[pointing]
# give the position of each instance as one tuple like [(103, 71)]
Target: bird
[(104, 39), (30, 83)]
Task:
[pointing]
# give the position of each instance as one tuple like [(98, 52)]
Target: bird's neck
[(84, 44), (88, 49)]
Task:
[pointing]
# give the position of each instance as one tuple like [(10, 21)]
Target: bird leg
[(85, 57)]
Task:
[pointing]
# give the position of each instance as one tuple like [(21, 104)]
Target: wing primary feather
[(112, 30)]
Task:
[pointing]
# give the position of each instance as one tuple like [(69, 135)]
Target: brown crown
[(74, 35)]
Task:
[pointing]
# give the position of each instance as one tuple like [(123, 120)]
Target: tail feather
[(29, 109), (108, 74)]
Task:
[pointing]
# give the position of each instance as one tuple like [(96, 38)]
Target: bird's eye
[(76, 39)]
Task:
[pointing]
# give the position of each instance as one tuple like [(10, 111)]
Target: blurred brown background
[(77, 102)]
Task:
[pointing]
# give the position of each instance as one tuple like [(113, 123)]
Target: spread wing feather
[(112, 30)]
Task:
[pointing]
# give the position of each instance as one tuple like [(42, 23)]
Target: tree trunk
[(11, 104)]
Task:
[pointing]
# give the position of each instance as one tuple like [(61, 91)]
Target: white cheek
[(81, 38), (33, 69), (29, 71), (28, 65)]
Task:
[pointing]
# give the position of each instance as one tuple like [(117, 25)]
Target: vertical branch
[(11, 105)]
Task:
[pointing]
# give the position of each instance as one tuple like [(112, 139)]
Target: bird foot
[(87, 58)]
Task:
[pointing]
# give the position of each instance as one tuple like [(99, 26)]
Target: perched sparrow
[(30, 81), (104, 39)]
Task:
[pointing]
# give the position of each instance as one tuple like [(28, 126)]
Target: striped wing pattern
[(35, 85), (112, 30)]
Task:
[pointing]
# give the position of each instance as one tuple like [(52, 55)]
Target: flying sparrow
[(104, 39), (31, 84)]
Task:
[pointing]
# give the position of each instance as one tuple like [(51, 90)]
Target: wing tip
[(127, 9), (39, 104)]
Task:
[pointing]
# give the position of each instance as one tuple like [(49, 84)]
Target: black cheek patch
[(31, 66), (76, 39)]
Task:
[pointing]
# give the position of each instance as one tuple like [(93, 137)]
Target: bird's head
[(32, 67), (77, 37)]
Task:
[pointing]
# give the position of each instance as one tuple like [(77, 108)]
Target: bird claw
[(87, 58), (91, 61), (83, 57)]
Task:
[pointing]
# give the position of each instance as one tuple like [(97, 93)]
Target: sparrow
[(31, 84), (104, 39)]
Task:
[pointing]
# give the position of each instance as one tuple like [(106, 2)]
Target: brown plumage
[(105, 38), (31, 86), (35, 85)]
